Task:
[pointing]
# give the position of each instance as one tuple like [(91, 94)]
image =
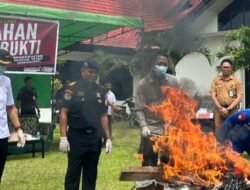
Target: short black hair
[(227, 60), (150, 55), (107, 81), (158, 52), (27, 78)]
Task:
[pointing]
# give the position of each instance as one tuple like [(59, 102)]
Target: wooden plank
[(141, 173)]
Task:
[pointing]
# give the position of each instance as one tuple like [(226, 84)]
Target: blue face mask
[(162, 69), (2, 69)]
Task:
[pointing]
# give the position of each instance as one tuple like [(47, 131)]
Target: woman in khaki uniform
[(226, 93)]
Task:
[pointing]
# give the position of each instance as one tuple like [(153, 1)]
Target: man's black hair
[(158, 52), (107, 81), (227, 60), (27, 78), (150, 55)]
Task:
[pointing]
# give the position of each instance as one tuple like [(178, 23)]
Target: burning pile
[(195, 157)]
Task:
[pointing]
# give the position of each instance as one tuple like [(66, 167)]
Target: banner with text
[(32, 43)]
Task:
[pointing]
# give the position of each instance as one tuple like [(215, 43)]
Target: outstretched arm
[(140, 102)]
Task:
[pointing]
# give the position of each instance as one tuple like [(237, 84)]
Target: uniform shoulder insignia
[(72, 83)]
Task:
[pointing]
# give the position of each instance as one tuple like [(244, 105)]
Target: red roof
[(154, 13), (123, 37), (155, 16)]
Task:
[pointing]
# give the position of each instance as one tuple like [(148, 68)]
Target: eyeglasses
[(226, 67)]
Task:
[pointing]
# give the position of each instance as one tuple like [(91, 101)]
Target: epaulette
[(72, 83)]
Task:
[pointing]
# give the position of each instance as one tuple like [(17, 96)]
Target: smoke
[(188, 86)]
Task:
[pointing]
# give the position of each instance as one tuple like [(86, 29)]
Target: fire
[(139, 157), (194, 156)]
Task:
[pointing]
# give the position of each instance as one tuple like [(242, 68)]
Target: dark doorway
[(122, 83)]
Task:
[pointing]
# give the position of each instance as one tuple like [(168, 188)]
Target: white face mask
[(161, 68), (2, 69)]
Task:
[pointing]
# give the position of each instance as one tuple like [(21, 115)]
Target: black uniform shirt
[(59, 97), (27, 97), (86, 104)]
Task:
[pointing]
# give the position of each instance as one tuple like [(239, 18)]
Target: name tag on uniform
[(231, 93)]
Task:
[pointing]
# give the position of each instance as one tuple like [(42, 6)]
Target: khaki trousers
[(219, 119)]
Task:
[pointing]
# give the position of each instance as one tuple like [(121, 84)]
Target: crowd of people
[(86, 110)]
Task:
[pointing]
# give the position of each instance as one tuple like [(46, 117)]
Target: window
[(247, 18), (235, 15)]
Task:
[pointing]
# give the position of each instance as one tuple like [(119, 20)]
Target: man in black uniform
[(27, 99), (84, 111)]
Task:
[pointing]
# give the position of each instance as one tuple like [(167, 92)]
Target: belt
[(87, 131)]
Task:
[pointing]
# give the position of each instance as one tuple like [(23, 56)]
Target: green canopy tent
[(74, 27)]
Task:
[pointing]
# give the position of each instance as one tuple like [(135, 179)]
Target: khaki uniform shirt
[(226, 90)]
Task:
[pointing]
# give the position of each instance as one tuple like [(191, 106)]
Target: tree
[(237, 47), (108, 63)]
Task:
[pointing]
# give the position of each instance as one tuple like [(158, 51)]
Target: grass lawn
[(22, 172)]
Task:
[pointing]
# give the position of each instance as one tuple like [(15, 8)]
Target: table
[(34, 141), (207, 124)]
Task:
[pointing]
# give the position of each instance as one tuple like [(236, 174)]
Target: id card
[(231, 93)]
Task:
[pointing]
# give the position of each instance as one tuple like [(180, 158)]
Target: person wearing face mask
[(226, 92), (148, 92), (7, 107), (83, 117)]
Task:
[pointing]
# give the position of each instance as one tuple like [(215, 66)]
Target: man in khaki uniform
[(226, 93)]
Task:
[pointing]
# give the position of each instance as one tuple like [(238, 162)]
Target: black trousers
[(150, 158), (85, 150), (3, 155)]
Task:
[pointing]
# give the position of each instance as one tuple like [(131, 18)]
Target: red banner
[(31, 43)]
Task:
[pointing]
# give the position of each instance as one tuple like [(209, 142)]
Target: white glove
[(21, 138), (145, 131), (108, 146), (64, 144)]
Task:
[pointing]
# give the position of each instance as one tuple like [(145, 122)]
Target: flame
[(139, 157), (194, 156)]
